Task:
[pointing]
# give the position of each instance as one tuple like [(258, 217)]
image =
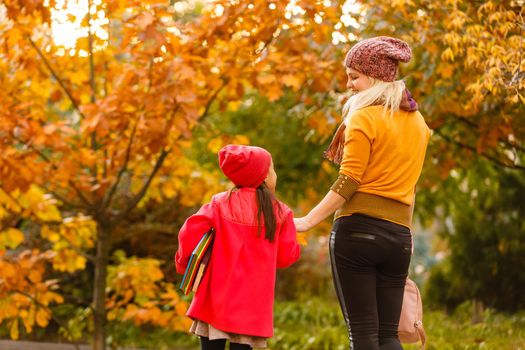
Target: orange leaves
[(445, 70), (318, 121), (26, 9), (292, 80), (137, 293), (144, 20), (25, 296), (160, 75)]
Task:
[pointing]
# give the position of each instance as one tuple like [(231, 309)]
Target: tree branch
[(106, 202), (62, 199), (55, 167), (475, 126), (213, 97), (225, 80), (136, 199), (55, 75), (92, 84), (493, 159)]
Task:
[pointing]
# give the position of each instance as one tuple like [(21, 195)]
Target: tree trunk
[(477, 311), (99, 288)]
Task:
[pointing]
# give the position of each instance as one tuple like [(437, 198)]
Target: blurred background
[(112, 115)]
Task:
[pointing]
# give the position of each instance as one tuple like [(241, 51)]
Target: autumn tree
[(468, 75), (90, 133)]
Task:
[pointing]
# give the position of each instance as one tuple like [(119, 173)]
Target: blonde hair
[(388, 94)]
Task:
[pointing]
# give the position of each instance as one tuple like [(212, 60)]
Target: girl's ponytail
[(265, 201)]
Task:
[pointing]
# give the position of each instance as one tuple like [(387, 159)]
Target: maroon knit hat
[(378, 57), (245, 166)]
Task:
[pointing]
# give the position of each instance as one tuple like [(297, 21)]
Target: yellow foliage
[(42, 317), (447, 55), (215, 144), (13, 331), (137, 292), (69, 238), (10, 238)]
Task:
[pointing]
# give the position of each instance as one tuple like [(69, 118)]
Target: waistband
[(377, 207)]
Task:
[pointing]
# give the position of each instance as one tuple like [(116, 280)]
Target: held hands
[(302, 224), (330, 203)]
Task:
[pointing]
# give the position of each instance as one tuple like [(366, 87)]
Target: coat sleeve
[(288, 250), (191, 233)]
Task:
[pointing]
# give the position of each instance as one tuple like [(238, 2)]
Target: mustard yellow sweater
[(382, 162)]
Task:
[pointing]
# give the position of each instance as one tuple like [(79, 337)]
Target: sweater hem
[(378, 207)]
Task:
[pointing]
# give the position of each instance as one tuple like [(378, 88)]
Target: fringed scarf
[(334, 152)]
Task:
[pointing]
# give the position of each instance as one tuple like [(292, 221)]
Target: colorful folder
[(199, 260)]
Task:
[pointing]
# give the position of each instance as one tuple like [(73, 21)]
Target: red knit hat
[(245, 166), (378, 57)]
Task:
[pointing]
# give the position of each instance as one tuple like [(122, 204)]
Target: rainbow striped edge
[(195, 259)]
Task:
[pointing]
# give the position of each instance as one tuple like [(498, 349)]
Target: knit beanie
[(378, 57), (245, 166)]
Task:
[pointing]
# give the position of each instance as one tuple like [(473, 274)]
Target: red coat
[(237, 291)]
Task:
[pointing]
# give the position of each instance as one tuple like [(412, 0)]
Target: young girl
[(254, 235), (380, 147)]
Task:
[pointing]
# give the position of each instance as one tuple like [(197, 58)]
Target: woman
[(380, 147)]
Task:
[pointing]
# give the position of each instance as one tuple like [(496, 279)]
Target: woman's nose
[(349, 84)]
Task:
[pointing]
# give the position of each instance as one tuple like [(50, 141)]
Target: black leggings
[(220, 344), (370, 259)]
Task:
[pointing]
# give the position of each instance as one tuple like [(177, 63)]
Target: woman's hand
[(302, 224)]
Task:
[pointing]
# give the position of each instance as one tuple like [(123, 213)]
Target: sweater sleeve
[(288, 249), (191, 233), (359, 137)]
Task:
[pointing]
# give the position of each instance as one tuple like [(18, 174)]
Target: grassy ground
[(316, 324)]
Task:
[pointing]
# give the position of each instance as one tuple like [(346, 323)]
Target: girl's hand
[(302, 224)]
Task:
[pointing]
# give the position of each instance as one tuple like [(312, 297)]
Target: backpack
[(411, 322)]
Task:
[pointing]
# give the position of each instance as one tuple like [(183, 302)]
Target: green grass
[(318, 325)]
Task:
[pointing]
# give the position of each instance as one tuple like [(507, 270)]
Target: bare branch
[(107, 201), (136, 199), (81, 195), (212, 98)]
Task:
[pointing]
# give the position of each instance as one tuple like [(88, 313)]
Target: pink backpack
[(411, 322)]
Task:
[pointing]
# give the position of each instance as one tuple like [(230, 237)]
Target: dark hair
[(265, 200)]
